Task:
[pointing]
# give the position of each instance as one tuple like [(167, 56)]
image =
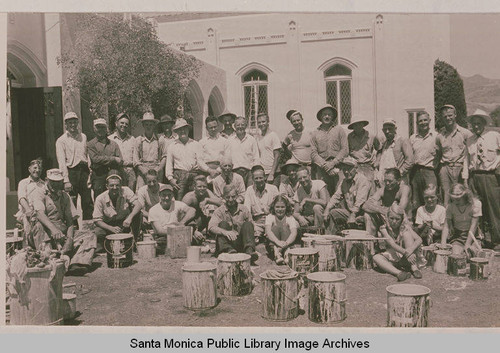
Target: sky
[(475, 44)]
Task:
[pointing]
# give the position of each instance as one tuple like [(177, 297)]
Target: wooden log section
[(408, 305), (303, 260), (479, 269), (178, 240), (199, 286), (327, 254), (280, 297), (441, 261), (234, 275), (327, 297)]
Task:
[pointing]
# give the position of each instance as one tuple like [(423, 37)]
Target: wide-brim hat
[(481, 114), (357, 121), (55, 174), (287, 164), (348, 161), (233, 116), (180, 123), (166, 119), (149, 117), (328, 106)]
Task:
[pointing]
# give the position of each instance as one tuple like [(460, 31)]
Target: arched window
[(255, 94), (338, 81)]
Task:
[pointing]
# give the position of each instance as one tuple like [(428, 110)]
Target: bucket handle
[(123, 253), (282, 291)]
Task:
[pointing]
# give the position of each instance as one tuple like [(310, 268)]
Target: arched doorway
[(216, 103), (193, 106)]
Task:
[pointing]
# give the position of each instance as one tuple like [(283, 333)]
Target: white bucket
[(146, 249)]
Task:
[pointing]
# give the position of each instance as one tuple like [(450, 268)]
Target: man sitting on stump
[(54, 227), (232, 224)]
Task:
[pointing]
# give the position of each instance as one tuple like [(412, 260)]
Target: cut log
[(280, 297), (408, 305), (327, 297), (234, 274), (199, 286), (178, 240), (327, 254)]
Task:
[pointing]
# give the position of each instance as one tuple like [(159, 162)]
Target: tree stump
[(327, 254), (280, 297), (303, 260), (327, 297), (234, 275), (407, 305), (199, 286)]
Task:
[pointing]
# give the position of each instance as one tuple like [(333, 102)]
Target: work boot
[(403, 276)]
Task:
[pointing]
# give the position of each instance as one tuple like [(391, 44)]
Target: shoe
[(403, 276), (417, 274), (77, 270), (280, 261)]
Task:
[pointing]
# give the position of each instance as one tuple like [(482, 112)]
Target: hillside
[(481, 93)]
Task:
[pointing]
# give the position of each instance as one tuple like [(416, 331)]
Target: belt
[(453, 164), (418, 166), (490, 172)]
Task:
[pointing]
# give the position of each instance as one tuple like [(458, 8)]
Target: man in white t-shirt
[(310, 199), (269, 147), (169, 212), (430, 217)]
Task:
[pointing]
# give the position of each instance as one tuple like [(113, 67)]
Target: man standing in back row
[(269, 147), (71, 151)]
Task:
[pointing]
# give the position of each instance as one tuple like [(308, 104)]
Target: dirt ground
[(149, 293)]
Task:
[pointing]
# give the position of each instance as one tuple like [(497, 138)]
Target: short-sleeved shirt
[(424, 149), (235, 220), (267, 145), (484, 151), (176, 212), (452, 145), (57, 208), (300, 146), (317, 186), (105, 211), (438, 215), (258, 203), (237, 180), (147, 198), (461, 220), (127, 147)]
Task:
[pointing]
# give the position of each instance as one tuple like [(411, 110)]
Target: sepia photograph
[(253, 169)]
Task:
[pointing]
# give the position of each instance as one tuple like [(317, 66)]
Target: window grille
[(255, 94), (338, 79)]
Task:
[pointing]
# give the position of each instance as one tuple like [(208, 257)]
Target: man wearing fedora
[(54, 226), (213, 147), (71, 152), (104, 155), (423, 172), (451, 150), (127, 144), (149, 153), (166, 135), (345, 205), (227, 120), (328, 147), (395, 152), (483, 159), (184, 160), (362, 147)]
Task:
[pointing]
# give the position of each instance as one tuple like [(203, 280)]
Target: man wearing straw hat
[(328, 147), (54, 227), (483, 158), (149, 153), (451, 150), (345, 205), (104, 155), (227, 120), (116, 210), (127, 145), (362, 147), (184, 160), (71, 151)]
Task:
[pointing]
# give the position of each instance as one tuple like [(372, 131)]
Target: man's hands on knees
[(230, 234)]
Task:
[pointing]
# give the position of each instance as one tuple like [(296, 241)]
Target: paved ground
[(149, 293)]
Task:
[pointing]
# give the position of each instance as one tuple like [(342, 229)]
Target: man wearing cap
[(362, 147), (149, 194), (423, 172), (269, 147), (229, 177), (310, 199), (258, 198), (169, 212), (393, 192), (166, 136), (71, 152), (395, 152), (149, 153), (116, 209), (184, 160), (345, 205), (227, 120), (54, 227), (451, 150), (244, 150), (127, 144), (214, 146), (328, 147), (289, 182), (298, 141), (104, 155), (483, 158)]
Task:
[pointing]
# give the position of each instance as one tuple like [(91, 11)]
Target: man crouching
[(402, 246)]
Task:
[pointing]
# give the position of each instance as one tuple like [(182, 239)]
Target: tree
[(448, 89), (495, 116), (121, 66)]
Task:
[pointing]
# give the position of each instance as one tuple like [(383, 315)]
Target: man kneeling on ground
[(402, 246), (54, 225), (232, 224)]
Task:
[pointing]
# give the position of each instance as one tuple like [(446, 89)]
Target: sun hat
[(180, 123), (148, 116), (70, 115), (357, 121), (328, 106)]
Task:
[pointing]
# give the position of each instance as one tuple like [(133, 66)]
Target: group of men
[(224, 183)]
